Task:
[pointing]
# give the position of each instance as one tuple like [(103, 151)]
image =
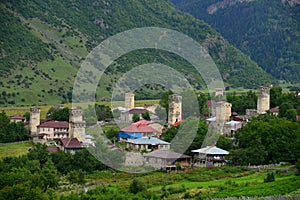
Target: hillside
[(267, 31), (44, 42)]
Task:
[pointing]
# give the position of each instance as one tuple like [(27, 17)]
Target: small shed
[(167, 160), (209, 156)]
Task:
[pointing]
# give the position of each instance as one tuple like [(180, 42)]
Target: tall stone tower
[(175, 109), (263, 100), (129, 100), (223, 111), (76, 124), (34, 121)]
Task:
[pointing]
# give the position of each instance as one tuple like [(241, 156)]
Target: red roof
[(138, 128), (53, 149), (176, 123), (274, 110), (70, 143), (54, 124), (210, 103), (142, 122), (18, 117)]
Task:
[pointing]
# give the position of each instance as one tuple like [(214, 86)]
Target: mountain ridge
[(67, 31), (267, 31)]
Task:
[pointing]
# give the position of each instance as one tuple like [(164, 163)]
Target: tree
[(291, 114), (136, 186), (146, 115), (49, 175), (283, 108), (275, 96), (76, 176), (135, 117), (59, 114), (164, 101), (27, 116)]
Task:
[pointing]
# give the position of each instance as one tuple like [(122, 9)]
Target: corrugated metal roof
[(211, 150), (166, 154), (148, 140), (138, 128)]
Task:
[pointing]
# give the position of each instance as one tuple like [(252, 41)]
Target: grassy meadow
[(14, 149), (21, 110)]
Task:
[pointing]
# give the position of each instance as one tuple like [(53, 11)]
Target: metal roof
[(166, 154), (211, 150), (148, 140)]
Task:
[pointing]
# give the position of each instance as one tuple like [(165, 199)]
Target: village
[(141, 140)]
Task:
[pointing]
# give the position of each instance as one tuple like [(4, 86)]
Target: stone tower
[(76, 124), (219, 91), (34, 119), (129, 100), (175, 109), (263, 100), (223, 111)]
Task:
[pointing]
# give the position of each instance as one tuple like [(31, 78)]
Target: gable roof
[(166, 154), (211, 150), (138, 128), (70, 143), (18, 117), (148, 140), (275, 109), (137, 110), (54, 124), (210, 103)]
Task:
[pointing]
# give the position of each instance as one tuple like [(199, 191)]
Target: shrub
[(269, 178), (136, 186)]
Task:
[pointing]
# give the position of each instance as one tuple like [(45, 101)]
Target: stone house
[(166, 160), (147, 144)]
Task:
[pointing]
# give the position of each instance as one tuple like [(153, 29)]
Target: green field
[(21, 110), (201, 183), (16, 149)]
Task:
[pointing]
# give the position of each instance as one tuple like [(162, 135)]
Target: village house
[(209, 156), (167, 160), (44, 131), (17, 118), (147, 144), (71, 145), (137, 130)]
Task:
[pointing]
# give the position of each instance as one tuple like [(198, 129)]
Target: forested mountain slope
[(43, 44), (266, 30)]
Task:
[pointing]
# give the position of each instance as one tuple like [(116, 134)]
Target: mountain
[(43, 44), (265, 30)]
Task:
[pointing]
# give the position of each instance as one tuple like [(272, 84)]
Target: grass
[(217, 182), (14, 149), (21, 110)]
